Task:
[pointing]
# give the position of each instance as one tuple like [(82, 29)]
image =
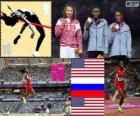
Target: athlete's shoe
[(36, 53), (120, 110)]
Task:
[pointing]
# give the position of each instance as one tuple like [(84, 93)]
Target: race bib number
[(120, 78)]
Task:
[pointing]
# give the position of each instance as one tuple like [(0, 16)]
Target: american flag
[(87, 106), (87, 87)]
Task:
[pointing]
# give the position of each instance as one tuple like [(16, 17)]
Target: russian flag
[(92, 83), (87, 90)]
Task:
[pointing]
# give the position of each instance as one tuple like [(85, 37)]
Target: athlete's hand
[(114, 29), (64, 22), (87, 25), (16, 39), (80, 51)]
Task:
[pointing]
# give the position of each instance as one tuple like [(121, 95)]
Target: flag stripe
[(94, 60), (86, 114), (92, 111), (88, 69), (87, 108), (94, 63), (87, 93), (91, 102), (87, 86), (94, 66), (88, 77), (87, 72), (97, 104), (87, 80), (93, 105), (94, 99), (91, 75)]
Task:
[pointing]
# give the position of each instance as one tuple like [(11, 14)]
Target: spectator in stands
[(6, 112), (37, 110), (49, 108), (2, 81)]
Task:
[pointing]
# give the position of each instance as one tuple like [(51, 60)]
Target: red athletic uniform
[(119, 79), (28, 84)]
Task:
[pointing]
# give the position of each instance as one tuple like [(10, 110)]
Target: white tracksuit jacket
[(121, 41)]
